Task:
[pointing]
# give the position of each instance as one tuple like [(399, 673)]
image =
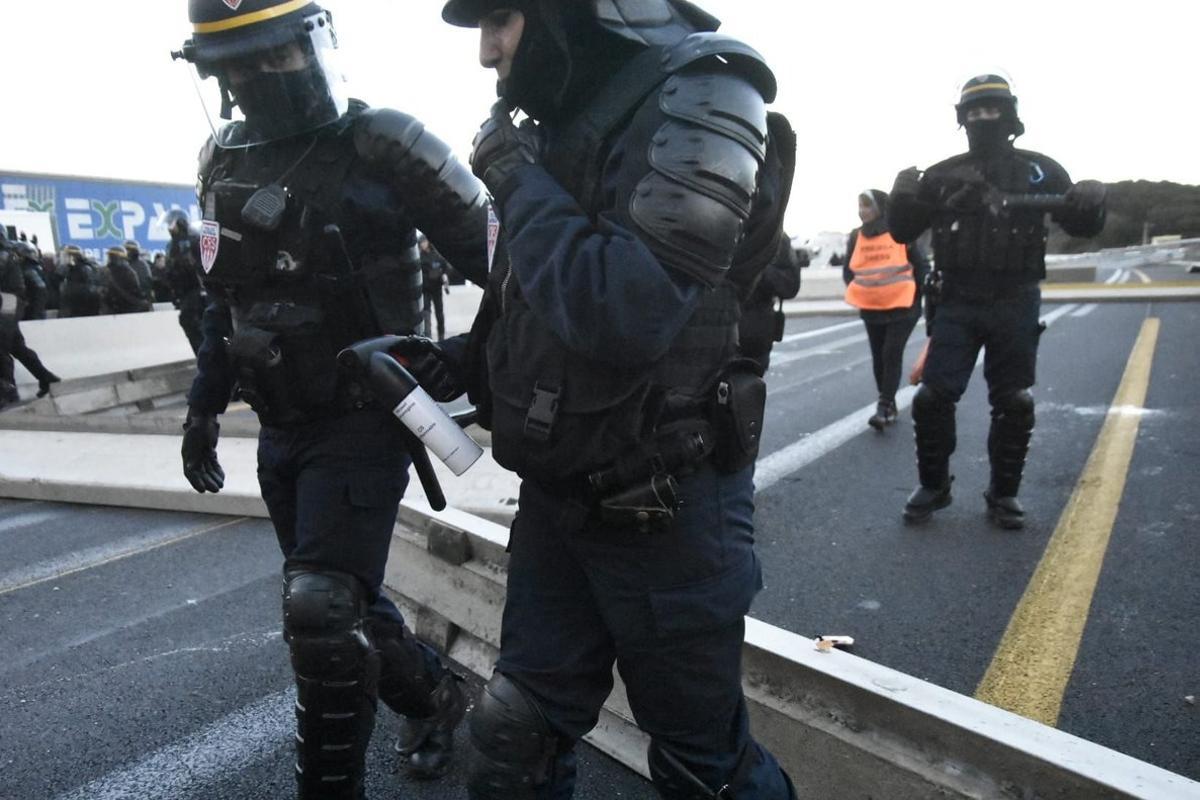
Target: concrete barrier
[(843, 726)]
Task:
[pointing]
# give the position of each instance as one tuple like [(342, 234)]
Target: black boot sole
[(877, 423)]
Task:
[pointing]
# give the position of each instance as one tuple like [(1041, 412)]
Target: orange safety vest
[(883, 278)]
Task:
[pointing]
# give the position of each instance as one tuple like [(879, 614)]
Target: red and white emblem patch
[(210, 243), (493, 235), (233, 4)]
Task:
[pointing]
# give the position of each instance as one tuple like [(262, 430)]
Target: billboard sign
[(97, 213)]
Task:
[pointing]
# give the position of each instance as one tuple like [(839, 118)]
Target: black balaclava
[(989, 137), (563, 56)]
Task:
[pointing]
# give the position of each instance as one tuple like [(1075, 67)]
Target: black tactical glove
[(200, 465), (908, 183), (500, 147), (1086, 196), (430, 365)]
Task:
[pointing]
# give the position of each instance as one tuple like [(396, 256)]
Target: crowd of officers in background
[(74, 285)]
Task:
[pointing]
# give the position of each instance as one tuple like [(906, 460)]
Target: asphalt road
[(142, 660), (935, 600)]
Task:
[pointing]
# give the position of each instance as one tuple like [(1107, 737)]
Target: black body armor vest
[(979, 246), (557, 415), (311, 253)]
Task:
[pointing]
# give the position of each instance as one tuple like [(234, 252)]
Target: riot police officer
[(14, 299), (80, 292), (987, 210), (133, 252), (122, 291), (183, 275), (35, 281), (310, 203), (645, 190), (763, 320)]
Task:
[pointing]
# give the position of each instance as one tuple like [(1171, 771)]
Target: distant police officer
[(122, 292), (35, 280), (648, 193), (762, 322), (989, 241), (183, 275), (308, 244), (14, 297), (80, 291), (133, 252)]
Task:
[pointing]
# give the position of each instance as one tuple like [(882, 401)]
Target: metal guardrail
[(842, 726)]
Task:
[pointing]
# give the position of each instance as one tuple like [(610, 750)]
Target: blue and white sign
[(97, 213)]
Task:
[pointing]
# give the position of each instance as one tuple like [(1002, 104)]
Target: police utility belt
[(640, 487)]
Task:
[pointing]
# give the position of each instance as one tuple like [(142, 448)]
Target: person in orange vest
[(883, 280)]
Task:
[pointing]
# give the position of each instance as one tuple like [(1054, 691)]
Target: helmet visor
[(271, 84)]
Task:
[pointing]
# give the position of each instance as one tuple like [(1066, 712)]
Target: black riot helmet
[(271, 60), (994, 90), (570, 45), (28, 252), (176, 221)]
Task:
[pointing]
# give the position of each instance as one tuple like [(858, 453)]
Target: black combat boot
[(1005, 511), (44, 382), (936, 436), (1008, 444), (878, 420), (428, 743)]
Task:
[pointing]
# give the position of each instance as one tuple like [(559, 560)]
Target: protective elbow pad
[(448, 203), (514, 747)]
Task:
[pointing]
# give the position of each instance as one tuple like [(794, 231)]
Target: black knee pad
[(929, 403), (1016, 406), (514, 747), (322, 622)]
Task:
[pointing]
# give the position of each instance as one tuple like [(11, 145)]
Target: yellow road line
[(1035, 659), (119, 556)]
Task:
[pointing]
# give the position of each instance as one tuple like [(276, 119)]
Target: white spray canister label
[(437, 431)]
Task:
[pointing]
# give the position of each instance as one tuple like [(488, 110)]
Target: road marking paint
[(186, 768), (1116, 277), (1143, 277), (817, 350), (1085, 310), (56, 568), (795, 337), (1036, 656), (27, 520), (773, 468)]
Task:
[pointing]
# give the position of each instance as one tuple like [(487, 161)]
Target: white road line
[(841, 326), (1143, 277), (60, 567), (778, 465), (1116, 277), (1085, 310), (27, 520), (817, 350), (185, 768)]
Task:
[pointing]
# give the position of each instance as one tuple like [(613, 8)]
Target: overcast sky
[(1107, 89)]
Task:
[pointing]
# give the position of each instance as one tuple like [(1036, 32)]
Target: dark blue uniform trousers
[(667, 607), (333, 490), (1008, 330)]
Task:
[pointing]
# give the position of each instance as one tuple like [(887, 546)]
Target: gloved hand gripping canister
[(411, 404)]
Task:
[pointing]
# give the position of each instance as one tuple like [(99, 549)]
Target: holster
[(649, 504), (738, 407)]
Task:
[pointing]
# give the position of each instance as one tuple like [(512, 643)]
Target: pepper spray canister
[(421, 414)]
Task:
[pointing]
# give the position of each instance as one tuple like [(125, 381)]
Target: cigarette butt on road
[(827, 643)]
